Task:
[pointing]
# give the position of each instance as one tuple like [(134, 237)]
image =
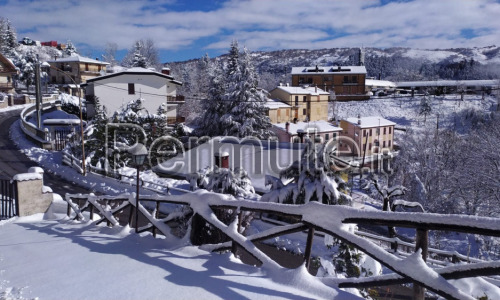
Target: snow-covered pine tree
[(139, 60), (225, 181), (8, 38), (246, 113), (70, 49), (212, 108), (95, 141), (27, 68), (313, 180)]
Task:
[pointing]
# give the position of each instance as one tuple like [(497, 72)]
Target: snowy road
[(13, 162)]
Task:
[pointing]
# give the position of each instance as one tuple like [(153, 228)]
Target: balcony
[(6, 85)]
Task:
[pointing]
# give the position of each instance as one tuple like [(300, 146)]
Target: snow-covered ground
[(61, 259), (404, 111)]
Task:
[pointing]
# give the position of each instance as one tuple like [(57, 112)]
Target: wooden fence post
[(421, 242), (233, 244), (307, 254), (157, 214)]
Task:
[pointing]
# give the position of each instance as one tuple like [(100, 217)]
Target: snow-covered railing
[(330, 219), (39, 136)]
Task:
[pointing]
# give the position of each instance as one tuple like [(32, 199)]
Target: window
[(354, 79), (385, 130), (390, 130), (389, 143), (327, 136), (371, 131), (99, 68), (309, 80), (296, 100), (131, 89), (304, 98), (304, 111), (383, 144), (364, 132), (346, 79), (86, 66)]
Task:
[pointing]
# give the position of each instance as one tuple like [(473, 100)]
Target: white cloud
[(261, 24)]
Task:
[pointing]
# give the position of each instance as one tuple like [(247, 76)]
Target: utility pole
[(38, 94)]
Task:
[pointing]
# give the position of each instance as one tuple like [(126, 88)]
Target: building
[(306, 103), (279, 112), (297, 132), (258, 158), (77, 69), (116, 89), (366, 136), (348, 82), (7, 72)]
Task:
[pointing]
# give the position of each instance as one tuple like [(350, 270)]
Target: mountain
[(398, 64)]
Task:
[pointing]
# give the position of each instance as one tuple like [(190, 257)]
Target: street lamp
[(139, 153)]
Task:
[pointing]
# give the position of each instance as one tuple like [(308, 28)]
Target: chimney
[(165, 71), (359, 119), (287, 127)]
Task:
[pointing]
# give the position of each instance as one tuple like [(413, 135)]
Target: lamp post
[(139, 153)]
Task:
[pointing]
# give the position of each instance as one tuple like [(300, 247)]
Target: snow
[(315, 126), (78, 58), (276, 103), (27, 177), (303, 90), (61, 259), (329, 70), (368, 122)]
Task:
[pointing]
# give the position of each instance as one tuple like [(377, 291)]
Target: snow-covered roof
[(310, 90), (246, 153), (382, 83), (135, 71), (78, 58), (275, 104), (329, 70), (449, 83), (316, 126), (368, 122), (9, 65)]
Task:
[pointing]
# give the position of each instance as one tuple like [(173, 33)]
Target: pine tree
[(139, 60), (95, 141), (246, 113), (70, 49), (208, 122), (8, 38), (27, 68), (314, 180)]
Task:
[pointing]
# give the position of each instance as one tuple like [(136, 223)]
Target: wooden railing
[(313, 217)]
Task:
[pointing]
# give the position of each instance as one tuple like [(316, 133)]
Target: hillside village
[(332, 130)]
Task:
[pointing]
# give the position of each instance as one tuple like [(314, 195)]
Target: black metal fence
[(61, 137), (8, 199)]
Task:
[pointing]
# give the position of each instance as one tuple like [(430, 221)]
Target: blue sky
[(188, 29)]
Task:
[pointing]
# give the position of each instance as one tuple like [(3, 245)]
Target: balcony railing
[(6, 85)]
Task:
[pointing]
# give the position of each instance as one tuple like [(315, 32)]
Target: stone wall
[(33, 197)]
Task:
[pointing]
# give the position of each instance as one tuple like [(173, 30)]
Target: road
[(13, 162)]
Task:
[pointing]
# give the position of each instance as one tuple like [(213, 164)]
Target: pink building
[(366, 136)]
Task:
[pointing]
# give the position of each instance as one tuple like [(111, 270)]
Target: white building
[(117, 89)]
